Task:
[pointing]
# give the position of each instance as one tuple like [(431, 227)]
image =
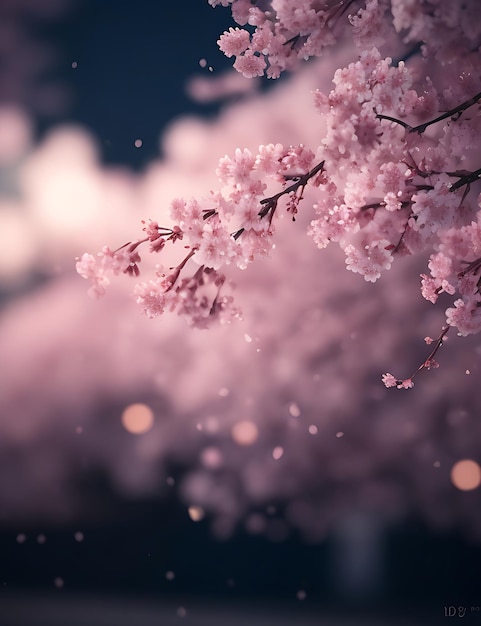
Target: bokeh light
[(466, 475), (211, 457), (277, 452), (245, 433), (196, 513), (137, 418)]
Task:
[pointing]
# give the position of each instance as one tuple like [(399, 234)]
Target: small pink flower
[(369, 260), (429, 288), (465, 316), (86, 266), (234, 42), (250, 65), (389, 380)]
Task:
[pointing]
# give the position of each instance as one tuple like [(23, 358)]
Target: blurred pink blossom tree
[(277, 421), (393, 162)]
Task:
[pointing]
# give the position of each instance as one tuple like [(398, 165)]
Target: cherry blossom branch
[(466, 179), (337, 11), (390, 381), (420, 128), (472, 267), (270, 204), (368, 170), (173, 278), (283, 37), (191, 297), (457, 110), (389, 118)]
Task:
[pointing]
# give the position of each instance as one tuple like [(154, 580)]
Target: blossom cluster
[(394, 171), (238, 428), (232, 226), (393, 188), (285, 33), (278, 35)]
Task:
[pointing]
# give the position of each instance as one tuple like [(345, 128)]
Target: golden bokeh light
[(137, 418), (196, 513), (466, 475), (245, 433)]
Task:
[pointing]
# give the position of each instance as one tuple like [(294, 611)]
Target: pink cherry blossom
[(301, 370), (250, 65), (234, 42), (392, 164)]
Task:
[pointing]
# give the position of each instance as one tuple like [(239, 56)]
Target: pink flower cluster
[(283, 34), (97, 269), (278, 35), (232, 226), (395, 168)]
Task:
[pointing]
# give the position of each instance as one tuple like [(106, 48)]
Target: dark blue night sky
[(133, 59)]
